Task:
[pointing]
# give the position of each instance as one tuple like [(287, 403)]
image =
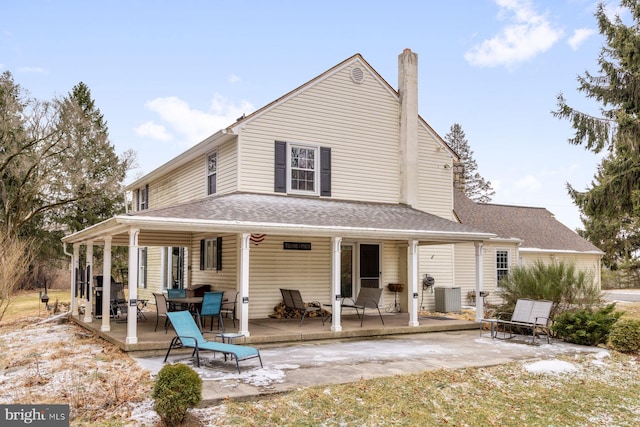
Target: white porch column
[(336, 250), (88, 305), (479, 292), (132, 313), (412, 278), (106, 286), (75, 265), (244, 284)]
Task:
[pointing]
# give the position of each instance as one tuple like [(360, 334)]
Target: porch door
[(346, 271), (177, 267), (369, 265)]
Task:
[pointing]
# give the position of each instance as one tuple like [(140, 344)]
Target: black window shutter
[(146, 196), (202, 254), (325, 171), (219, 253), (280, 174)]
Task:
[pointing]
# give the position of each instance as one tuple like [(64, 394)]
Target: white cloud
[(526, 34), (579, 36), (190, 126), (528, 183), (36, 70), (153, 131), (234, 79)]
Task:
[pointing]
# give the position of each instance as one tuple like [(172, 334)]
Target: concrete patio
[(268, 331)]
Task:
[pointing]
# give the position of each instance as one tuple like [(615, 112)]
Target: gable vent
[(357, 75)]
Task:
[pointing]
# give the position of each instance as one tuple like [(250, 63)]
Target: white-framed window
[(303, 169), (142, 267), (212, 172), (210, 254), (502, 264), (143, 198)]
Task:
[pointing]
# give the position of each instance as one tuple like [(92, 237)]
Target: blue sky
[(166, 74)]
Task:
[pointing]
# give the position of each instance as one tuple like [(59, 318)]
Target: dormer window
[(212, 172)]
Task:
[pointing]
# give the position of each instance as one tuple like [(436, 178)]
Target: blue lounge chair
[(188, 335)]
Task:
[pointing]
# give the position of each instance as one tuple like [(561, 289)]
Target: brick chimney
[(459, 182), (408, 90)]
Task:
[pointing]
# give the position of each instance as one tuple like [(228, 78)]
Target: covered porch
[(256, 272), (270, 331)]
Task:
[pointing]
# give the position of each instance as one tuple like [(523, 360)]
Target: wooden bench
[(531, 315)]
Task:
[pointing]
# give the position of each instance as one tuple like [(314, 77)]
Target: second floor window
[(303, 167), (502, 264), (212, 172), (143, 198)]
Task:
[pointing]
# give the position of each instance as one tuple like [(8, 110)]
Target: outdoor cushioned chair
[(188, 335), (211, 307), (367, 298), (293, 301)]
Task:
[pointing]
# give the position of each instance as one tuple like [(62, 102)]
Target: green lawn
[(27, 303), (602, 393)]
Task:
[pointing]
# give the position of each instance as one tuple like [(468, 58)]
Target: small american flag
[(256, 239)]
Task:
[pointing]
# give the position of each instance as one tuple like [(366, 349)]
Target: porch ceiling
[(282, 215)]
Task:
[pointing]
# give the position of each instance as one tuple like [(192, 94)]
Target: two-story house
[(335, 186)]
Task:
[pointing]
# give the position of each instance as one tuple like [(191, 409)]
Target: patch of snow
[(143, 414), (553, 366)]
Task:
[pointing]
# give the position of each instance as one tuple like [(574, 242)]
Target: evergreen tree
[(475, 186), (610, 207), (59, 172)]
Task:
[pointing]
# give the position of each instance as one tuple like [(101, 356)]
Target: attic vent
[(357, 75)]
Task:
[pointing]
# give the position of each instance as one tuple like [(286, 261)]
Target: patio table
[(192, 302)]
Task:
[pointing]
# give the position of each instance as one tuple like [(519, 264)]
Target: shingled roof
[(537, 228), (287, 212)]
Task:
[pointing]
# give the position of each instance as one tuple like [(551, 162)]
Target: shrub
[(177, 389), (15, 257), (586, 326), (559, 282), (625, 335)]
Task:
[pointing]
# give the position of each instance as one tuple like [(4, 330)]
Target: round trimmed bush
[(177, 389), (625, 336)]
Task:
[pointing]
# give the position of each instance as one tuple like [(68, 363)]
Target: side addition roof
[(537, 228)]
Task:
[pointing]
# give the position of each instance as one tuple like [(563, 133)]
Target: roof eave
[(192, 153), (119, 223), (561, 251)]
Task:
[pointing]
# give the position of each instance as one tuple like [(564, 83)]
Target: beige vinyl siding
[(435, 181), (181, 185), (153, 274), (394, 270), (335, 113), (223, 280), (490, 275), (589, 263), (271, 268), (227, 178), (436, 260), (465, 269)]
